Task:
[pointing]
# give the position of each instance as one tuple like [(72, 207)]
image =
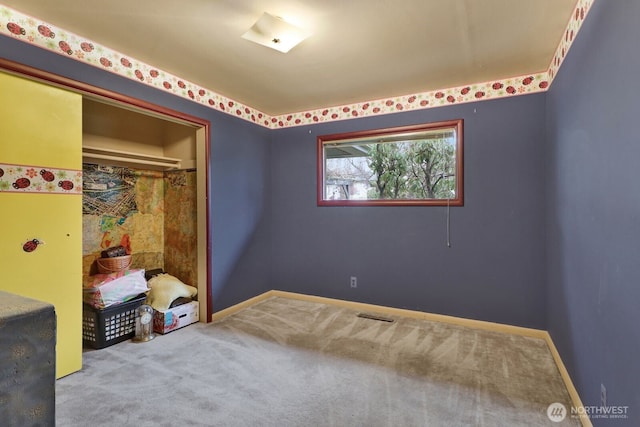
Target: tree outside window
[(417, 165)]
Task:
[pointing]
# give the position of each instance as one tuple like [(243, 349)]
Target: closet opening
[(142, 190), (154, 142)]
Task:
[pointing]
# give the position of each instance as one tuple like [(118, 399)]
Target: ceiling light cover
[(274, 32)]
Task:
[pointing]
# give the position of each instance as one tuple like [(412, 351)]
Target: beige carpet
[(284, 362)]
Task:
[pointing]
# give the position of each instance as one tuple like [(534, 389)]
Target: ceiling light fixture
[(274, 32)]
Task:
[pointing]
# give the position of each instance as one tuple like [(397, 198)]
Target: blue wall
[(493, 271), (268, 232), (593, 215), (239, 154)]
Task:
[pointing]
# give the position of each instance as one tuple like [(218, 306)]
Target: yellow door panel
[(52, 272), (42, 127)]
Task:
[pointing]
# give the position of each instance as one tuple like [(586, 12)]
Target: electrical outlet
[(603, 396), (354, 282)]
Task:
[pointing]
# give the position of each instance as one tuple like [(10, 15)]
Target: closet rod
[(130, 160), (89, 152)]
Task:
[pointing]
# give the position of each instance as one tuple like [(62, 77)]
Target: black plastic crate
[(104, 327)]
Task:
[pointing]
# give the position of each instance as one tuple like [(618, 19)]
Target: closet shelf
[(119, 157)]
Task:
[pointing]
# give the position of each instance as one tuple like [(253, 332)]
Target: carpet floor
[(285, 362)]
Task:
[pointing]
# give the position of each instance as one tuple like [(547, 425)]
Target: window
[(412, 165)]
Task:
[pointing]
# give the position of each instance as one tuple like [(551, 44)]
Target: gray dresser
[(27, 362)]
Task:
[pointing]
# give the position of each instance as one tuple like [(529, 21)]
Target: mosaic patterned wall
[(180, 226), (152, 213), (122, 206)]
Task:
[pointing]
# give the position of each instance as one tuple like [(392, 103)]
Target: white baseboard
[(240, 306)]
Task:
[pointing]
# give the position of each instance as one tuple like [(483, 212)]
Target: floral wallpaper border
[(31, 30), (39, 179)]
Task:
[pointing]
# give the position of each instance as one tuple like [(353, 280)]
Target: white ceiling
[(359, 50)]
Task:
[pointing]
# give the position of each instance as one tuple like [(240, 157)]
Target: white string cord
[(448, 223), (444, 156)]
